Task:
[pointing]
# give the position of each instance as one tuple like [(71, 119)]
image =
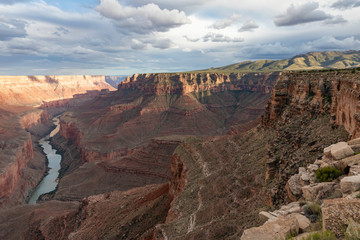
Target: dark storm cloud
[(346, 4), (300, 14)]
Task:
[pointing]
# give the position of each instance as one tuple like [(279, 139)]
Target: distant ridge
[(308, 61)]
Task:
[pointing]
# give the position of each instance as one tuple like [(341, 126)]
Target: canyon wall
[(34, 90), (184, 83), (308, 111)]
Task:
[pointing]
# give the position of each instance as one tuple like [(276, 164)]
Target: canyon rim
[(179, 120)]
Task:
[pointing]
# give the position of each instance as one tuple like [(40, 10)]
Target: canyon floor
[(171, 156)]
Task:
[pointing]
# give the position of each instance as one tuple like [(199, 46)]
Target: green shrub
[(312, 208), (324, 235), (327, 174)]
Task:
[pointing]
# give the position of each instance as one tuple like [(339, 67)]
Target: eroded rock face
[(148, 165), (304, 111), (50, 220), (21, 164), (217, 191), (338, 213), (34, 90)]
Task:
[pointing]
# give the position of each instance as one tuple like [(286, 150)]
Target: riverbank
[(50, 180)]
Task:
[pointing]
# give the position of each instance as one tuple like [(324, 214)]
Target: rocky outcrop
[(146, 165), (303, 110), (338, 213), (115, 215), (217, 192), (34, 90), (184, 83)]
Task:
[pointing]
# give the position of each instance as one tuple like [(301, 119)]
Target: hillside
[(308, 61)]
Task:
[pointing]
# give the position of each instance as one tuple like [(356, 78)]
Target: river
[(50, 181)]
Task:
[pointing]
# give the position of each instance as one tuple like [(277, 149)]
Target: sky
[(123, 37)]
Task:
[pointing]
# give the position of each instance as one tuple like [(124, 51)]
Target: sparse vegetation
[(352, 231), (312, 209), (324, 235), (327, 174)]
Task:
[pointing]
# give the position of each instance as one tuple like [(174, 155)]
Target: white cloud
[(248, 26), (299, 14), (145, 19), (217, 37), (224, 23)]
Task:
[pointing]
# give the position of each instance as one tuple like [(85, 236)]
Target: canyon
[(171, 156)]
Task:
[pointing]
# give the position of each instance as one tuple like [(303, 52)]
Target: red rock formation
[(184, 83), (305, 110), (34, 90)]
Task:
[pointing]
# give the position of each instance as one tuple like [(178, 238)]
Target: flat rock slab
[(340, 150), (349, 161), (271, 230), (338, 213), (350, 184), (355, 141)]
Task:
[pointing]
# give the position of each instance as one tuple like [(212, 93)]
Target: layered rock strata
[(34, 90)]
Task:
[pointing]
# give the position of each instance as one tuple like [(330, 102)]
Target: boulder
[(293, 207), (305, 179), (350, 184), (349, 161), (354, 142), (354, 170), (318, 191), (341, 150), (293, 187), (304, 222), (338, 213), (312, 167), (265, 216), (278, 229)]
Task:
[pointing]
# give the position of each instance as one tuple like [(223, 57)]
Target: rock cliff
[(34, 90), (310, 110)]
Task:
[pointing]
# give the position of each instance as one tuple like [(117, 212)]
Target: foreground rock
[(279, 228), (338, 213)]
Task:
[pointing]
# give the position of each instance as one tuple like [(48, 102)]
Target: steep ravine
[(49, 182)]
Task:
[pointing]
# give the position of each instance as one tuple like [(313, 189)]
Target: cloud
[(327, 43), (183, 5), (299, 14), (217, 37), (11, 29), (335, 20), (8, 2), (248, 26), (346, 4), (224, 23), (164, 43), (191, 39), (145, 19), (137, 45)]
